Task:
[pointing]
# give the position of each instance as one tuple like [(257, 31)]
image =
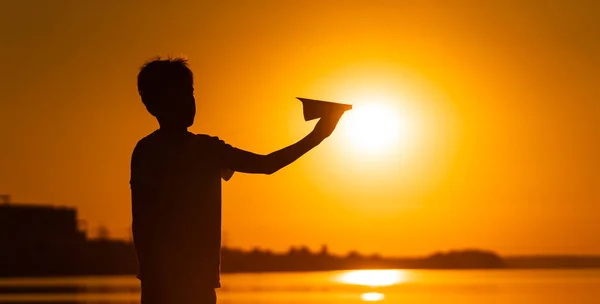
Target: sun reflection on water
[(372, 296), (373, 278)]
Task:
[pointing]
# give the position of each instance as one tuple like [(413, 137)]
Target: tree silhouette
[(103, 232)]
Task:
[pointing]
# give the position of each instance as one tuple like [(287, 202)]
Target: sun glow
[(375, 127)]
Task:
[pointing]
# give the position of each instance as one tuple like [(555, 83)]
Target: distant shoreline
[(109, 257)]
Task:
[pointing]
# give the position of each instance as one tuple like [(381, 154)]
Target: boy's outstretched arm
[(248, 162)]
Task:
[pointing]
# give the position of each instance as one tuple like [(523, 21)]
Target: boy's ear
[(151, 107)]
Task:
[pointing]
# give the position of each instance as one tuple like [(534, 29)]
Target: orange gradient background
[(498, 106)]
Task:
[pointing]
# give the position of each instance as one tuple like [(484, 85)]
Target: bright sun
[(373, 127)]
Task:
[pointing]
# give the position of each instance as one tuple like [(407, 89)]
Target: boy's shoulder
[(208, 138), (155, 139)]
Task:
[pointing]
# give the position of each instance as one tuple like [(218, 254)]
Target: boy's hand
[(326, 125)]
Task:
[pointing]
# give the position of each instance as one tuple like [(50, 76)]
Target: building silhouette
[(49, 241), (33, 235)]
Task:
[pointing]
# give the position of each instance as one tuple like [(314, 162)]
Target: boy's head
[(167, 90)]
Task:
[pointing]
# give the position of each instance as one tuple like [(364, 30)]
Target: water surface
[(387, 286)]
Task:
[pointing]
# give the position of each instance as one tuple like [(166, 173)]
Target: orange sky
[(504, 152)]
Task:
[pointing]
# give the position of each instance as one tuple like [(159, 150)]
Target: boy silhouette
[(176, 187)]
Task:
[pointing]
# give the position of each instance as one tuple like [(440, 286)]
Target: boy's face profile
[(179, 105)]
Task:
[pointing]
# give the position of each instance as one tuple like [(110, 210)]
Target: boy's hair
[(158, 76)]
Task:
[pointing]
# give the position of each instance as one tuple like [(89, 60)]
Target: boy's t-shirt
[(176, 206)]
